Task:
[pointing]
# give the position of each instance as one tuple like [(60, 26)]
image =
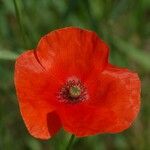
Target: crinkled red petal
[(34, 87), (85, 120), (72, 51)]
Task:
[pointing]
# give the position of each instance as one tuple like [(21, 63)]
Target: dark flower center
[(73, 91)]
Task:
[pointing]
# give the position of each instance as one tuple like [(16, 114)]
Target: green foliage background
[(123, 24)]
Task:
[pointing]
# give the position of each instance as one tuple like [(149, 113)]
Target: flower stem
[(71, 141), (18, 15)]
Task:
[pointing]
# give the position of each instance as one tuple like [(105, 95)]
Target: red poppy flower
[(68, 82)]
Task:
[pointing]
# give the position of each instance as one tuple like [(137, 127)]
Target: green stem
[(20, 23), (71, 141)]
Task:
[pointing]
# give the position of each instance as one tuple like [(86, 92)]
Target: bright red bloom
[(68, 82)]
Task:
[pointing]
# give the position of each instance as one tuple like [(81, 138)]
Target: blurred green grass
[(123, 24)]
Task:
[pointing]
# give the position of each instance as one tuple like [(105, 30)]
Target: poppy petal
[(119, 91), (35, 104), (114, 101), (85, 120), (70, 50)]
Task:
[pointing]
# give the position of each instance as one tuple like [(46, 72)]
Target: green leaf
[(133, 53), (8, 55)]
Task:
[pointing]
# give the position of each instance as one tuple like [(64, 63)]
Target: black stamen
[(73, 91)]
